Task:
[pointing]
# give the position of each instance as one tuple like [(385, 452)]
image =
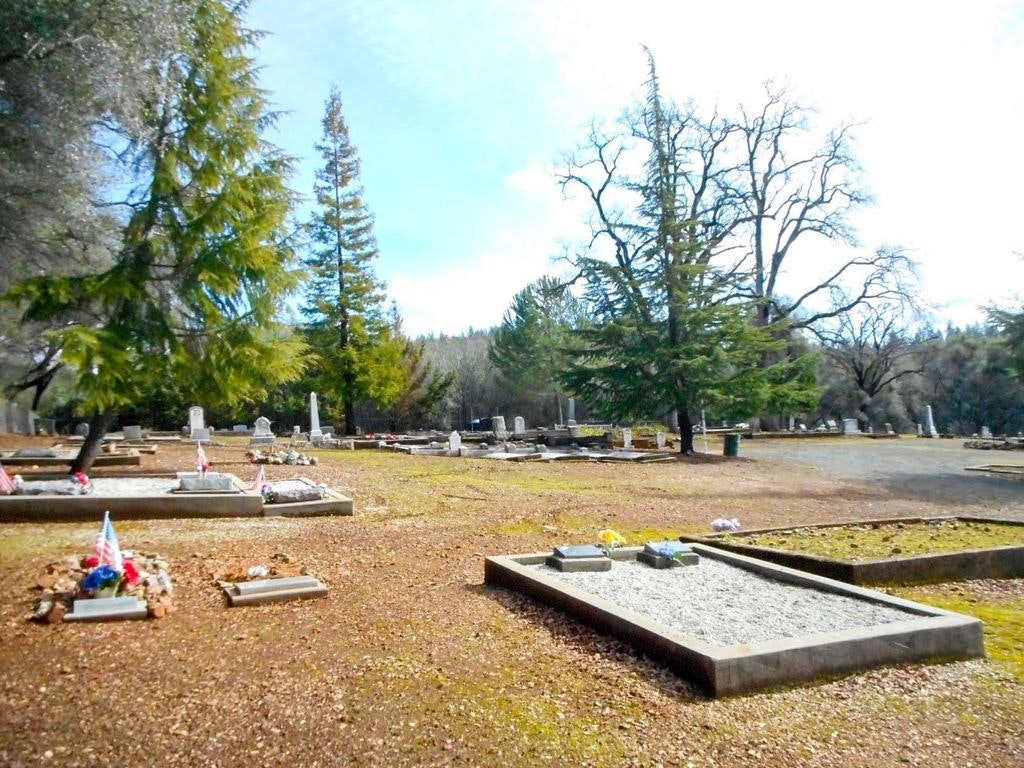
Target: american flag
[(201, 462), (7, 486), (260, 481), (107, 549)]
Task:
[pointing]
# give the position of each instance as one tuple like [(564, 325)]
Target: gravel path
[(725, 605)]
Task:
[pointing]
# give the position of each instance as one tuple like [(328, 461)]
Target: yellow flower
[(610, 538)]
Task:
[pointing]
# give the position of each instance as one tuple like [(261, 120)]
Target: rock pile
[(60, 584)]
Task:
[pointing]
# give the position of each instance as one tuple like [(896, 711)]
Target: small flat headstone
[(239, 427), (661, 547), (578, 550), (274, 585), (213, 481), (132, 432), (36, 453), (579, 564), (107, 608), (661, 561)]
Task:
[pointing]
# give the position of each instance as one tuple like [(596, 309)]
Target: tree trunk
[(685, 431), (348, 407), (99, 423)]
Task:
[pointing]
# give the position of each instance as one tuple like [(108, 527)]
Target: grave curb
[(736, 669), (988, 563)]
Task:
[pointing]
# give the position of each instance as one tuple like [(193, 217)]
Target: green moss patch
[(856, 543)]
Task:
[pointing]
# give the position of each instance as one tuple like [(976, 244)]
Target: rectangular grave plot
[(1004, 562), (724, 670), (108, 609)]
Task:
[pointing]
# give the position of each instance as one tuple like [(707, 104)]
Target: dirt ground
[(412, 661)]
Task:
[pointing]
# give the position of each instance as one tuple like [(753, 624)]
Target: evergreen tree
[(361, 357), (670, 331), (202, 263), (529, 348)]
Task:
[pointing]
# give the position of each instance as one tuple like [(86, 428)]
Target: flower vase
[(105, 592)]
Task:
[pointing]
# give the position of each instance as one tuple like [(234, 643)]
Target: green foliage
[(361, 354), (672, 329), (202, 264), (1011, 325)]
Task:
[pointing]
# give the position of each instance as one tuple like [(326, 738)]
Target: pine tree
[(360, 355), (203, 263)]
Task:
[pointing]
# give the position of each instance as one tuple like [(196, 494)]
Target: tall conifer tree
[(360, 354), (202, 264)]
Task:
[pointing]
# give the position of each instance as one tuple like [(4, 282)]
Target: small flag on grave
[(107, 549), (7, 486), (201, 462), (260, 481)]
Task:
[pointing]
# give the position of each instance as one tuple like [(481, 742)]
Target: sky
[(463, 110)]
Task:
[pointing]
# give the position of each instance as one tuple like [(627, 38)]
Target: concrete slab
[(64, 458), (107, 609), (928, 633), (273, 590), (578, 564)]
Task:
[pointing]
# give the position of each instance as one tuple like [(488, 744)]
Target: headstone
[(498, 427), (296, 431), (240, 428), (49, 426), (520, 427), (196, 422), (262, 434), (133, 432), (850, 427), (831, 425), (314, 418), (202, 435), (82, 429), (211, 481), (920, 431), (792, 423), (273, 590), (627, 438), (585, 557), (986, 433), (106, 608), (579, 550), (888, 429), (659, 439), (666, 554), (570, 413), (803, 427), (454, 442), (929, 423)]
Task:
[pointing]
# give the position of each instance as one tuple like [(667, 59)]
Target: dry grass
[(411, 661)]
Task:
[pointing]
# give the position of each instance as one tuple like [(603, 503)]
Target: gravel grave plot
[(725, 605)]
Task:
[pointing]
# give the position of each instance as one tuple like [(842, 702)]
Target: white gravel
[(725, 605)]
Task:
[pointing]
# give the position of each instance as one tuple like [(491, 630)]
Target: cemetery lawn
[(856, 543), (412, 661)]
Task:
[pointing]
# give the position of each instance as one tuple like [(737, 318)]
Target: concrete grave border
[(19, 509), (987, 563), (736, 669)]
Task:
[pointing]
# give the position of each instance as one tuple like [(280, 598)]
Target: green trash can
[(732, 445)]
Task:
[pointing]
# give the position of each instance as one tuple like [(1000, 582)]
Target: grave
[(929, 423), (519, 430), (197, 424), (570, 413), (240, 428), (584, 557), (850, 427), (261, 591), (202, 435), (999, 562), (909, 632), (205, 482), (667, 554), (53, 457), (132, 433), (159, 497), (498, 427), (315, 435), (627, 438), (986, 433), (261, 434), (107, 609)]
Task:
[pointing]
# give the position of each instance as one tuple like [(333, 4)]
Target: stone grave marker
[(132, 432), (204, 435), (498, 427), (274, 590), (196, 422), (519, 430), (81, 429), (262, 435), (454, 443), (107, 608), (659, 439), (583, 557), (888, 429), (192, 482), (627, 438), (240, 428), (570, 413), (314, 419), (831, 425), (986, 433), (850, 427), (666, 554), (929, 423)]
